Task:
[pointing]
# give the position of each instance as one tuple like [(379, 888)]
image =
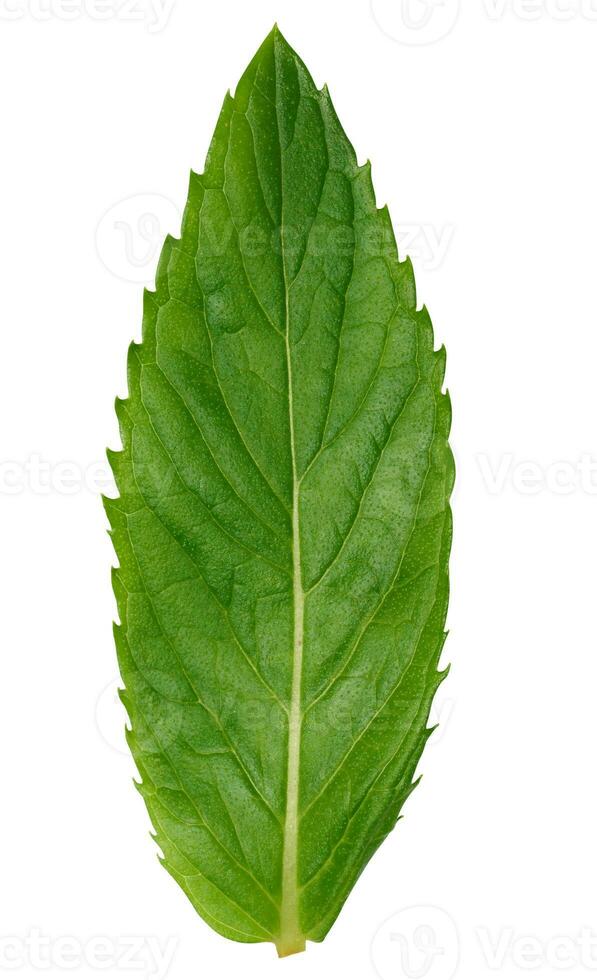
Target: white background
[(480, 123)]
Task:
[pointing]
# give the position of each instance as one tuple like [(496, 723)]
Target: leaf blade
[(283, 527)]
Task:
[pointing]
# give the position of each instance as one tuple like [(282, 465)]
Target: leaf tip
[(276, 35)]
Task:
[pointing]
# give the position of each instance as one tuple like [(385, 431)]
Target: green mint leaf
[(283, 526)]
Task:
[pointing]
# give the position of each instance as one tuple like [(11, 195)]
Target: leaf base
[(288, 945)]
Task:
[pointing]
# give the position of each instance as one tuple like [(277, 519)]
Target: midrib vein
[(291, 938)]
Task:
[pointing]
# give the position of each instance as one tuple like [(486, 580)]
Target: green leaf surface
[(283, 526)]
